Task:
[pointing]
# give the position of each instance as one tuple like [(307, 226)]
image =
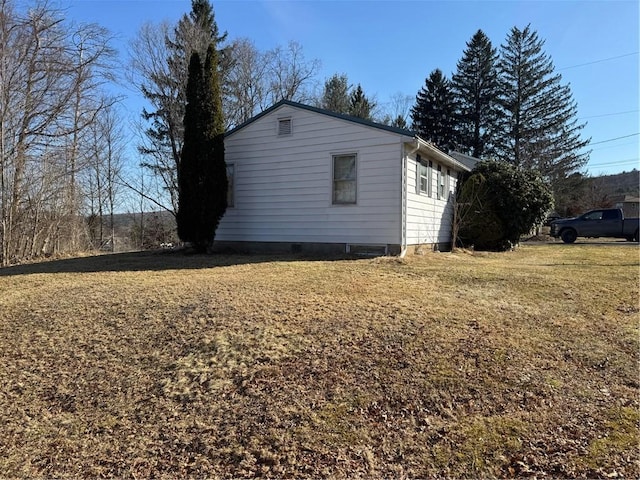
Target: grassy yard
[(450, 364)]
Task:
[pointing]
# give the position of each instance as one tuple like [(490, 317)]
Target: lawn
[(146, 365)]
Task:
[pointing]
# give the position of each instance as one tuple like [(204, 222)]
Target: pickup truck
[(608, 222)]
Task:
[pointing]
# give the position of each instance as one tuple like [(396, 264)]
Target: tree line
[(506, 105)]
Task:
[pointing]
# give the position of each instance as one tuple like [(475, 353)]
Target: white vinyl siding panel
[(429, 219), (283, 184)]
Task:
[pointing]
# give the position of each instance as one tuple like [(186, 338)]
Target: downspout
[(405, 188)]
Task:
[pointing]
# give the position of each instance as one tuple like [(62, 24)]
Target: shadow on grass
[(156, 261)]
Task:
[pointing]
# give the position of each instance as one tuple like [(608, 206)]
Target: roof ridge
[(349, 118)]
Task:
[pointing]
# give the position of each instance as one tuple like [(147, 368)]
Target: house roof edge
[(322, 111)]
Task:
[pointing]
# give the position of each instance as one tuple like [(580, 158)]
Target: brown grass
[(456, 365)]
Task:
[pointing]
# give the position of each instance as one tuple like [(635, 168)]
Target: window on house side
[(447, 185), (440, 183), (284, 126), (429, 179), (344, 179), (230, 183), (423, 176)]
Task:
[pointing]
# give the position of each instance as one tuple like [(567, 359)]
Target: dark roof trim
[(349, 118)]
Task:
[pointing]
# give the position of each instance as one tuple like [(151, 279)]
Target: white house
[(306, 179)]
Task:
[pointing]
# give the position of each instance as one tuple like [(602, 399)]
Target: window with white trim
[(284, 126), (423, 184), (440, 183), (344, 179)]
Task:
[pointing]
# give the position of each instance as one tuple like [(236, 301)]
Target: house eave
[(431, 151)]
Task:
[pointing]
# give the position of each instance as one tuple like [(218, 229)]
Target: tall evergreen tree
[(359, 105), (335, 96), (433, 115), (165, 90), (202, 178), (540, 129), (475, 85)]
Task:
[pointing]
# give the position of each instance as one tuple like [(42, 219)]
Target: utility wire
[(613, 139), (616, 162), (613, 146), (598, 61), (608, 114)]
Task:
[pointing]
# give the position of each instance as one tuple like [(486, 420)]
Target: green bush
[(498, 203)]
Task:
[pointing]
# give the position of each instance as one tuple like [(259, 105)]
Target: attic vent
[(284, 126)]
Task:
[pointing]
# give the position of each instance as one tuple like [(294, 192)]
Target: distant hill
[(626, 183)]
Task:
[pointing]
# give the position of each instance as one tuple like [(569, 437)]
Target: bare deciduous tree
[(106, 154), (50, 75), (290, 73), (246, 86)]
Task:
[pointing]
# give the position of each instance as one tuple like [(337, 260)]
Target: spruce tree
[(359, 105), (539, 125), (335, 96), (433, 115), (475, 85), (202, 179)]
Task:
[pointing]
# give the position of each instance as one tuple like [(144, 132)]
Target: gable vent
[(284, 126)]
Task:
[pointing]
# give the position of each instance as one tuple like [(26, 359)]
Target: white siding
[(283, 184), (429, 219)]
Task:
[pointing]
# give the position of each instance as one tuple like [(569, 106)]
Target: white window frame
[(440, 183), (422, 173), (424, 170), (334, 180)]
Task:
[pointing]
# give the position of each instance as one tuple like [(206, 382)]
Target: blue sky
[(391, 47)]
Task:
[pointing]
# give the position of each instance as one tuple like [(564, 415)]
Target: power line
[(598, 61), (616, 162), (614, 139), (613, 146), (609, 114)]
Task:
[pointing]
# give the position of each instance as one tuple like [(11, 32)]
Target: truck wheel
[(635, 236), (569, 235)]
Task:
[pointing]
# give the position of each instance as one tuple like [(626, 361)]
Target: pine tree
[(399, 122), (335, 96), (475, 85), (359, 105), (202, 179), (433, 115), (540, 129)]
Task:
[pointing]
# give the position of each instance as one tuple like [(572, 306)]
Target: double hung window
[(344, 179), (424, 176)]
